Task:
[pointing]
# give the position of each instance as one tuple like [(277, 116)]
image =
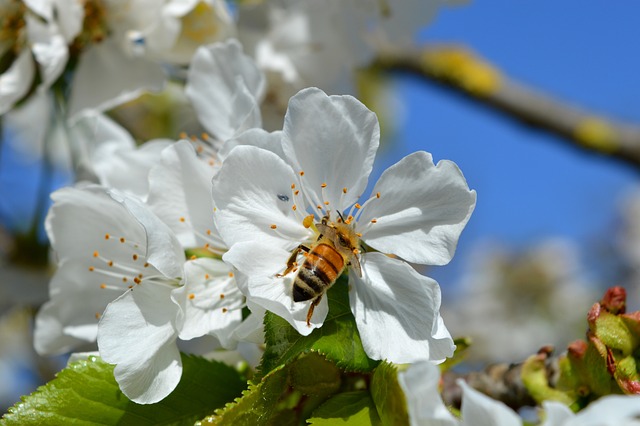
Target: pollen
[(230, 274), (107, 236), (182, 219), (308, 221), (103, 286), (91, 268), (96, 254), (122, 240), (356, 251), (134, 257), (344, 190), (192, 296), (374, 220), (324, 185), (273, 226)]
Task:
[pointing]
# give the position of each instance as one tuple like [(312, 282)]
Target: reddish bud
[(577, 349), (614, 300)]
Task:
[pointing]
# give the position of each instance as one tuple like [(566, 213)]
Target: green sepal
[(338, 338), (348, 408), (86, 393), (388, 396)]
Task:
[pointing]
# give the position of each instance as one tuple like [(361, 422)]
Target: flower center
[(12, 35)]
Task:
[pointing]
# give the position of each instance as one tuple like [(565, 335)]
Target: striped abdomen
[(321, 268)]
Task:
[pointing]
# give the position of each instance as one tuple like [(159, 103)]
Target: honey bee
[(336, 248)]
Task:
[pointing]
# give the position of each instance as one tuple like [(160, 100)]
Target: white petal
[(612, 410), (180, 194), (333, 139), (420, 385), (16, 81), (137, 333), (211, 301), (225, 87), (121, 78), (80, 219), (556, 413), (396, 311), (127, 169), (480, 410), (70, 16), (261, 262), (271, 141), (27, 129), (421, 211), (49, 48), (71, 317), (164, 251), (252, 192)]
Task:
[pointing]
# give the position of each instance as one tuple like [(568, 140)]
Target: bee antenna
[(340, 214)]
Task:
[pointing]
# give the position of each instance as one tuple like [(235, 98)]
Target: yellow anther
[(377, 195), (293, 186), (221, 296), (98, 315), (358, 206), (135, 257), (96, 254), (124, 279), (324, 185), (230, 274), (294, 207), (344, 190), (301, 172), (225, 310), (296, 193), (208, 231), (110, 263), (192, 296), (107, 236), (308, 221), (183, 135), (359, 234), (137, 280), (122, 240), (91, 268), (273, 227), (193, 257), (206, 276), (182, 219), (204, 136), (103, 286), (374, 220)]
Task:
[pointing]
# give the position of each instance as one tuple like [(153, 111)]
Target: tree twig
[(462, 71)]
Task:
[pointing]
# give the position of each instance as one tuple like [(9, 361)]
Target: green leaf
[(288, 392), (388, 395), (349, 408), (338, 338), (258, 405), (86, 393)]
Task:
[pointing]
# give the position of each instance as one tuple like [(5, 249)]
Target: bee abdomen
[(320, 270)]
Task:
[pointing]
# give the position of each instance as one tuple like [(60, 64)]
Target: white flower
[(225, 87), (123, 279), (426, 408), (417, 212)]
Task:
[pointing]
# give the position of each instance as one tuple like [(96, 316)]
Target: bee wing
[(355, 265)]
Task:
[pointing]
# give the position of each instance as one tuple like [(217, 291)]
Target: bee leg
[(291, 262), (311, 308)]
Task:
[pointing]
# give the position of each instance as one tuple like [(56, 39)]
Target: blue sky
[(530, 185)]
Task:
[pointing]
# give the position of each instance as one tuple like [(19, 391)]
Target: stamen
[(323, 185), (204, 136), (373, 197), (103, 286), (107, 236), (225, 310), (182, 219), (122, 240), (183, 135), (230, 274), (134, 257), (96, 254), (344, 190), (301, 172), (294, 207), (91, 268), (308, 221), (221, 296), (374, 220), (273, 226), (206, 276), (191, 296), (98, 315)]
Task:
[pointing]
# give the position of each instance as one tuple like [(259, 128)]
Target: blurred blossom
[(512, 304)]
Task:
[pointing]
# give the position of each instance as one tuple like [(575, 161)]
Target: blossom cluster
[(174, 240)]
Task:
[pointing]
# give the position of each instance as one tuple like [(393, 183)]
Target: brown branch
[(460, 70)]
